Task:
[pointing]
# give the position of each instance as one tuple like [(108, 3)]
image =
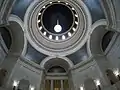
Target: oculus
[(57, 20)]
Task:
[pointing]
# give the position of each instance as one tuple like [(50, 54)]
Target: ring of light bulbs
[(53, 36)]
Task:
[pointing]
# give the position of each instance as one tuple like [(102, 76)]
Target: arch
[(106, 39), (56, 69), (15, 28), (89, 84), (58, 61), (94, 42), (5, 38)]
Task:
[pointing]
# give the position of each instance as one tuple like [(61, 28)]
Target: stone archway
[(60, 61), (95, 39), (56, 80), (15, 28)]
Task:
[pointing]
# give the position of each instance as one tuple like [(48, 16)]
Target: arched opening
[(56, 74), (6, 36), (106, 39), (5, 43), (111, 76), (56, 79), (56, 69), (16, 31), (17, 37), (94, 44), (63, 62), (96, 39)]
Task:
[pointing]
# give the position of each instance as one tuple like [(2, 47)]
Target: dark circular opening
[(60, 13), (106, 39), (6, 37)]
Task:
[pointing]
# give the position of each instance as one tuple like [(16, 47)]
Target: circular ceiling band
[(43, 17)]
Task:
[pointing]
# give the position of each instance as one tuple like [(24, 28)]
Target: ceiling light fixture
[(116, 72), (57, 27), (69, 34), (76, 22), (50, 37), (38, 21), (76, 15), (40, 27), (56, 37), (97, 82), (44, 33), (81, 88), (74, 29), (63, 37)]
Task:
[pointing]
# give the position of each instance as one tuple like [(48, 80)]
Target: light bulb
[(58, 27), (97, 81), (116, 72), (15, 83)]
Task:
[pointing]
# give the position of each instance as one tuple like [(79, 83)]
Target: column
[(62, 85), (52, 88)]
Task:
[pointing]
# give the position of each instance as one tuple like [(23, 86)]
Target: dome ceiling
[(51, 32), (93, 5), (34, 55), (45, 39), (95, 8)]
